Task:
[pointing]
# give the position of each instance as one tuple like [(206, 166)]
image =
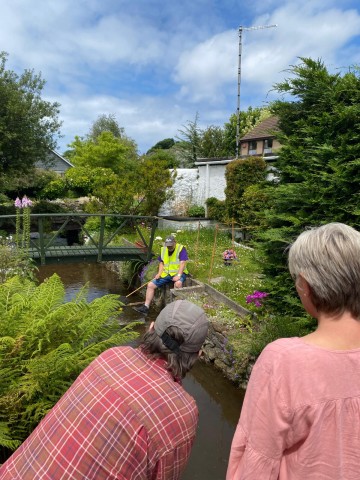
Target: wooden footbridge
[(44, 248)]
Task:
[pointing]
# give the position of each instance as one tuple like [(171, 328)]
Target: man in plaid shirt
[(126, 416)]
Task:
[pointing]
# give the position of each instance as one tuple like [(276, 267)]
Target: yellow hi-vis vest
[(171, 262)]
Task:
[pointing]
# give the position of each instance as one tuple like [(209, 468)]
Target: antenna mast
[(241, 30)]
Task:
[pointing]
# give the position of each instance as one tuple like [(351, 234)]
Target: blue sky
[(155, 64)]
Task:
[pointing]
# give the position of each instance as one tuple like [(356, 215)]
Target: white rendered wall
[(193, 186)]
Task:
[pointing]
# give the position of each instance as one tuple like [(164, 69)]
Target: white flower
[(158, 238), (173, 234), (178, 231)]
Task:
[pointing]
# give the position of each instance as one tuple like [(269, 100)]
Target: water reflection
[(219, 402)]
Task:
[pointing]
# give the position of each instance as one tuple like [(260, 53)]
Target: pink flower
[(26, 202), (18, 203)]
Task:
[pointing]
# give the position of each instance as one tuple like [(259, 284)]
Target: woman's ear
[(304, 291)]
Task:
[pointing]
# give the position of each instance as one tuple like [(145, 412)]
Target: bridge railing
[(39, 222)]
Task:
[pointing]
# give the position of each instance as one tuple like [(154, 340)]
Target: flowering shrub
[(255, 298)]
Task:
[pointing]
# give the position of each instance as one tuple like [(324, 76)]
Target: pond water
[(218, 400)]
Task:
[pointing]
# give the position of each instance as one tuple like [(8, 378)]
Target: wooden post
[(197, 244), (213, 252)]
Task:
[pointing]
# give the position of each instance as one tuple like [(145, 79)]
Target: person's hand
[(157, 276), (175, 278)]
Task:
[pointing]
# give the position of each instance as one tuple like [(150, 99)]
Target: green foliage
[(318, 163), (106, 151), (216, 209), (166, 157), (196, 211), (32, 184), (14, 262), (44, 206), (106, 123), (153, 186), (44, 345), (212, 143), (165, 144), (239, 175), (28, 123), (189, 144)]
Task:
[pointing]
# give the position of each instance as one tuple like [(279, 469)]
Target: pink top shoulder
[(300, 418)]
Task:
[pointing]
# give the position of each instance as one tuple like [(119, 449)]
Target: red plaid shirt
[(123, 418)]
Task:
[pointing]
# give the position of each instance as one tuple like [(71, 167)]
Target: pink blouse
[(301, 416)]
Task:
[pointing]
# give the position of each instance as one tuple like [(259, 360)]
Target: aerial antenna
[(241, 30)]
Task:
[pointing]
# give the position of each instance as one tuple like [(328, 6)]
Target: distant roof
[(264, 129)]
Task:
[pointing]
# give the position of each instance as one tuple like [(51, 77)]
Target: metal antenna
[(243, 29)]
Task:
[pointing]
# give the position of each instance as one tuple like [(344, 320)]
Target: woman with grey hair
[(300, 418)]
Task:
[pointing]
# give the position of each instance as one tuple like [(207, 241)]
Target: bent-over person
[(127, 416)]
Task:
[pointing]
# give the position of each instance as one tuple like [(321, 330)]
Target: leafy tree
[(189, 145), (239, 175), (166, 157), (28, 124), (154, 185), (212, 143), (106, 123), (165, 144), (106, 151), (45, 343), (318, 163)]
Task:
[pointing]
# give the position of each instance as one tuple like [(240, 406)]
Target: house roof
[(264, 129)]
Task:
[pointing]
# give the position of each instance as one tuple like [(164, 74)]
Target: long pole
[(241, 29)]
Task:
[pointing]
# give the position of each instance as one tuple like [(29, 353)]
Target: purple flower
[(254, 298), (26, 202), (18, 203)]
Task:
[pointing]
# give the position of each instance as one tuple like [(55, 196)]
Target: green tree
[(106, 123), (154, 185), (188, 147), (248, 120), (240, 174), (165, 144), (318, 163), (212, 143), (28, 124), (106, 151)]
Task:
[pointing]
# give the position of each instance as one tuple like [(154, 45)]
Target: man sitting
[(172, 269)]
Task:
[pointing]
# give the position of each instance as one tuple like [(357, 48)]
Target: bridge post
[(101, 237)]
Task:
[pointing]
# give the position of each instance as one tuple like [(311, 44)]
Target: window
[(268, 143), (252, 147)]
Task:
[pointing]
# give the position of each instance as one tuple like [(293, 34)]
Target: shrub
[(196, 211), (216, 209)]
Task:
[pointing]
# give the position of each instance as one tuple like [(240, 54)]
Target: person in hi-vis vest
[(172, 268)]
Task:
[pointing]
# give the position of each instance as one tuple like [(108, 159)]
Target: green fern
[(45, 343)]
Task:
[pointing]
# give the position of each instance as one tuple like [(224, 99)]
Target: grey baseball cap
[(170, 241), (189, 318)]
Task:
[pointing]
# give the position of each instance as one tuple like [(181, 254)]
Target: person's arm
[(183, 257), (264, 427)]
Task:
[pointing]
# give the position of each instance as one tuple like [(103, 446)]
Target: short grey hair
[(328, 258)]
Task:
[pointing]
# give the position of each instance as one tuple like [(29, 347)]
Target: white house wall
[(193, 186)]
